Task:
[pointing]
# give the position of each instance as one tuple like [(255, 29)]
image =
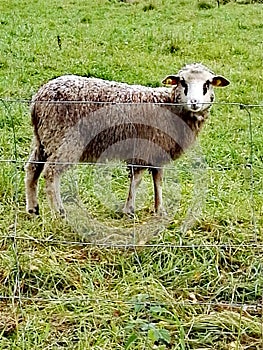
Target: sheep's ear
[(219, 81), (171, 80)]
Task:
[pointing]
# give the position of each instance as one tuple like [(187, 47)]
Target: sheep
[(79, 119)]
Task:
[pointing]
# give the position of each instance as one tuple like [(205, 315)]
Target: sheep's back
[(63, 102), (77, 88)]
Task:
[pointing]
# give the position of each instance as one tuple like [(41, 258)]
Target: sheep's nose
[(195, 105)]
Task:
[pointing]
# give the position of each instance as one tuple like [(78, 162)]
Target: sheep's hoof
[(161, 212), (34, 211), (128, 211), (62, 213)]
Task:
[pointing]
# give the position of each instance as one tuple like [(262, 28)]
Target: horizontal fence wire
[(253, 308), (51, 240), (127, 165), (242, 105)]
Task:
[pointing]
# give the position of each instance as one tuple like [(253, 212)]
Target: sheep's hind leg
[(157, 175), (66, 155), (135, 179), (52, 173), (33, 170)]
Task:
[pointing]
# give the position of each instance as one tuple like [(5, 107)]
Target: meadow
[(190, 281)]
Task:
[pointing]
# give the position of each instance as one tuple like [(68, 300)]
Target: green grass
[(198, 283)]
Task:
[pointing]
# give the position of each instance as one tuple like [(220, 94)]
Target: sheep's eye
[(206, 87), (184, 86)]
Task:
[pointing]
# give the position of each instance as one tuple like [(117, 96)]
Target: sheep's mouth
[(194, 105), (195, 108)]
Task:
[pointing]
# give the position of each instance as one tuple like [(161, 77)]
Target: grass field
[(197, 282)]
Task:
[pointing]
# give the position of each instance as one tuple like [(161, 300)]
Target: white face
[(197, 94), (194, 88)]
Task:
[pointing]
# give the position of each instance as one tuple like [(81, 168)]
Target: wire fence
[(220, 212)]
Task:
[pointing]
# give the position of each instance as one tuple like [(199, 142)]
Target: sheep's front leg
[(33, 170), (157, 174), (135, 179), (52, 174)]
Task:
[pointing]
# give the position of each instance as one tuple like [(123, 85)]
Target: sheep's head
[(193, 87)]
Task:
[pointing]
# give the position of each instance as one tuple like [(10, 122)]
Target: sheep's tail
[(34, 118), (39, 148)]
